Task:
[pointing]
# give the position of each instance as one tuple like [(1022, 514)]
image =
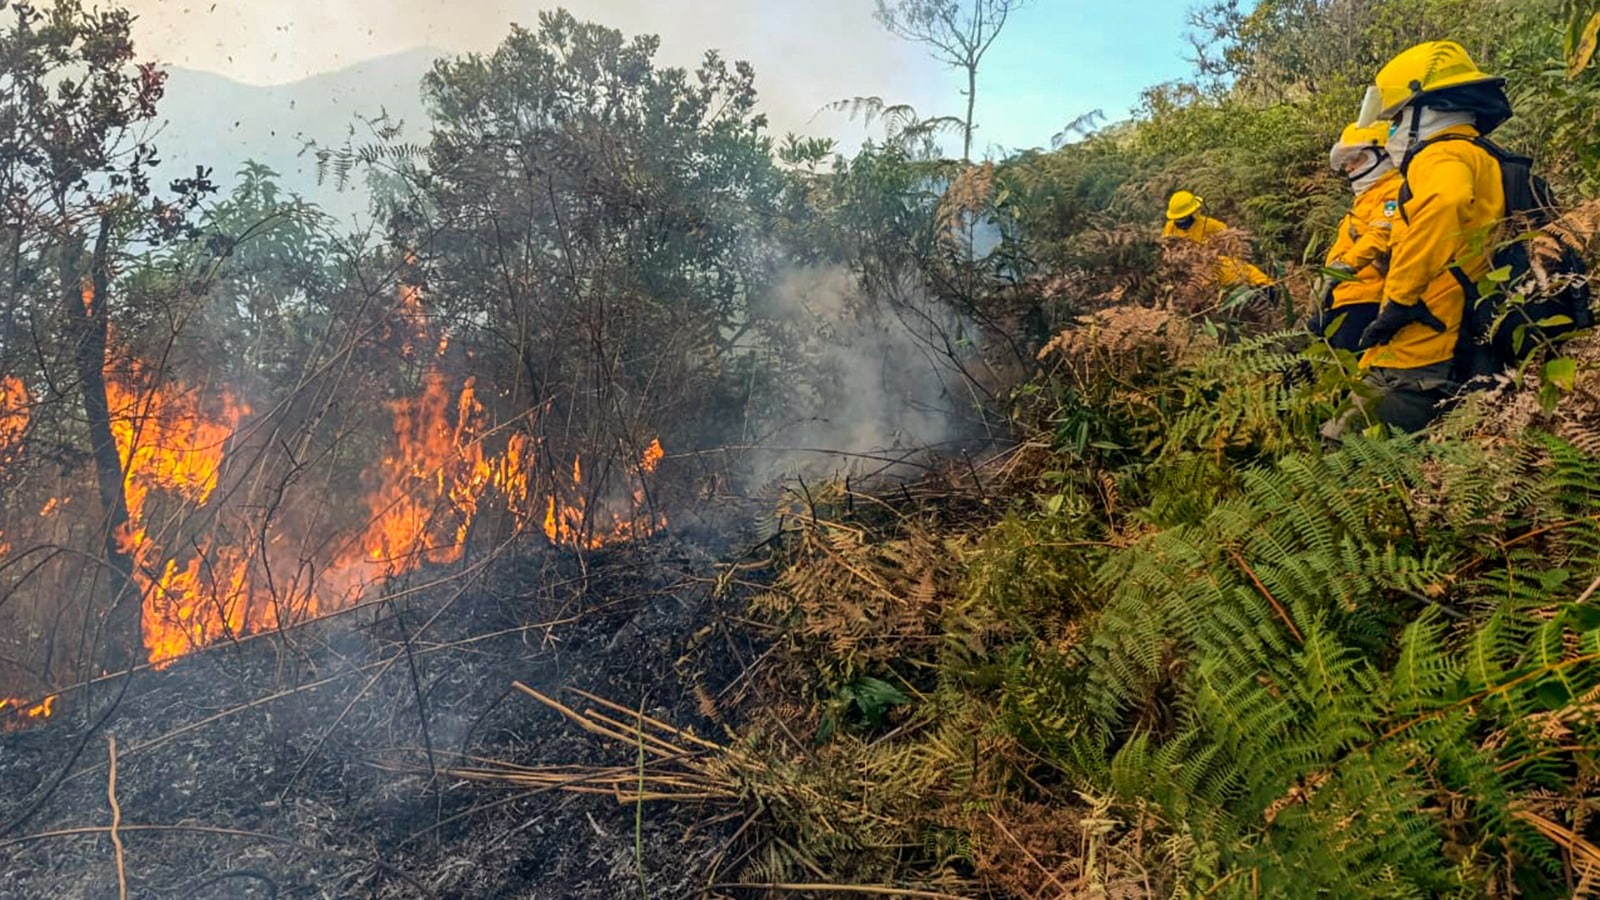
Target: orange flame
[(428, 490), (432, 482), (15, 712), (575, 525), (14, 403), (168, 442), (14, 414), (652, 456)]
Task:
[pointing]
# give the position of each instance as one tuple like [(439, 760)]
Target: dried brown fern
[(1122, 341), (1578, 227), (969, 196), (855, 601)]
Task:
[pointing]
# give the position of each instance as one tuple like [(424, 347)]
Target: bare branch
[(958, 32)]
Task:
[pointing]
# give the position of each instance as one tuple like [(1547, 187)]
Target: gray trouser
[(1404, 399)]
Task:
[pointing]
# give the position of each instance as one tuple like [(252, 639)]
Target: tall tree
[(73, 188), (592, 225), (958, 32)]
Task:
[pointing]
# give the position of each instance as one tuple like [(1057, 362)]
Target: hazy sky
[(1056, 60)]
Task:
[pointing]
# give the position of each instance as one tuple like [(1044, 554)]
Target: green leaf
[(1500, 275), (1552, 694), (1549, 396), (874, 697), (1581, 53), (1554, 321), (1584, 617), (1562, 372)]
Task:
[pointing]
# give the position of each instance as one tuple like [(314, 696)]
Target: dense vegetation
[(1192, 652), (1166, 645)]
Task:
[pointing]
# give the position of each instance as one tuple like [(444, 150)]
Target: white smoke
[(886, 384)]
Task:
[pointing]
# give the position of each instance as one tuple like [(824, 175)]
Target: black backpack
[(1539, 315)]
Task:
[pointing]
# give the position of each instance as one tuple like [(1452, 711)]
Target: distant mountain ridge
[(210, 120)]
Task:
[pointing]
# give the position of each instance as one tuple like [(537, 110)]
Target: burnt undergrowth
[(313, 763)]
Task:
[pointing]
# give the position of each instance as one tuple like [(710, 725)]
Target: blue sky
[(1058, 59)]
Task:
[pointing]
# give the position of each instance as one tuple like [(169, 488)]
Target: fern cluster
[(1363, 676), (1290, 672)]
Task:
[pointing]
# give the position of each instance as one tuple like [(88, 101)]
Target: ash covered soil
[(298, 765)]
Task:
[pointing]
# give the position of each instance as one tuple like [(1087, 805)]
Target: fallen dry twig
[(685, 768), (116, 816)]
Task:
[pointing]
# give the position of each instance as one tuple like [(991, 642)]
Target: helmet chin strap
[(1379, 156), (1416, 132)]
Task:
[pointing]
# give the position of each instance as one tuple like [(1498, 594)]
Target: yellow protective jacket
[(1362, 242), (1453, 205), (1231, 272)]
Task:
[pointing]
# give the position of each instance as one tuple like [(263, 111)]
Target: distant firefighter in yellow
[(1184, 220)]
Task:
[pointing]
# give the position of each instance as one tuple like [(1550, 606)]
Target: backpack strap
[(1470, 358), (1527, 195), (1405, 164)]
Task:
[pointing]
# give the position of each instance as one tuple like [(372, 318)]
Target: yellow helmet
[(1181, 204), (1354, 139), (1424, 69)]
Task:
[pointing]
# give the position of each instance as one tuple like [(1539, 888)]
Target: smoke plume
[(886, 382)]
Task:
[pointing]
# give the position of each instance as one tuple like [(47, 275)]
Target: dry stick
[(709, 745), (716, 862), (1588, 592), (559, 707), (1573, 842), (1276, 606), (1029, 854), (422, 714), (116, 815)]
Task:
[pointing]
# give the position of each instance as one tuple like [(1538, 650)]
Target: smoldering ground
[(886, 381)]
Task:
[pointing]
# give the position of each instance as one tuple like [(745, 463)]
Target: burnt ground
[(298, 765)]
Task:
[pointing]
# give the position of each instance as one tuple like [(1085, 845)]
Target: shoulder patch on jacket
[(1390, 207)]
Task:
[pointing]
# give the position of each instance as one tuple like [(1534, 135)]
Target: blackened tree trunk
[(118, 606)]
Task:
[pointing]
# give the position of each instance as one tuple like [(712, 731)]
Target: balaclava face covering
[(1418, 124), (1379, 164)]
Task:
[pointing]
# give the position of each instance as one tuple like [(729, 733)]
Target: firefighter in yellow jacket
[(1435, 99), (1348, 298), (1184, 220)]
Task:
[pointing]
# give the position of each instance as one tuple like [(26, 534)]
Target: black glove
[(1320, 319), (1394, 316), (1337, 274)]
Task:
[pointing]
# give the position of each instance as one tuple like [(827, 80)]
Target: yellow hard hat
[(1354, 139), (1182, 203), (1424, 69)]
